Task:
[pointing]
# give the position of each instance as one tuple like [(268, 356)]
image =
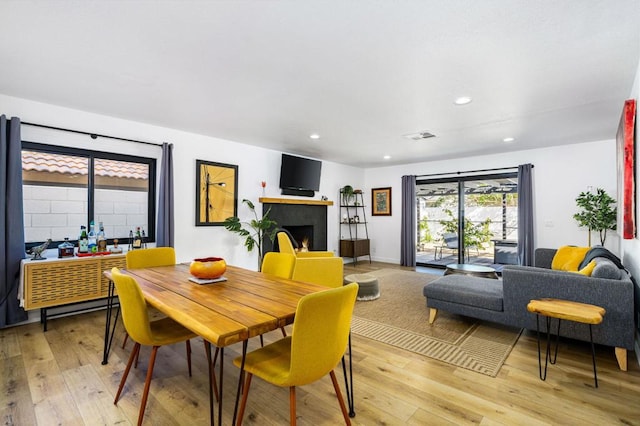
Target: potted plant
[(347, 194), (597, 213), (257, 229)]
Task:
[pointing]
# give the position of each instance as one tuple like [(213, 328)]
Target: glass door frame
[(461, 180)]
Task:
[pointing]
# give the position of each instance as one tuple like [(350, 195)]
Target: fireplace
[(301, 218), (303, 235)]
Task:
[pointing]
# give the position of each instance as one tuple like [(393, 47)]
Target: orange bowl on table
[(208, 267)]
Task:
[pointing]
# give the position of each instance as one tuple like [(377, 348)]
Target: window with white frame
[(65, 188)]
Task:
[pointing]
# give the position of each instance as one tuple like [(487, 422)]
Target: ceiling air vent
[(420, 136)]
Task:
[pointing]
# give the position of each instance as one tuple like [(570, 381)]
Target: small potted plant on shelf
[(347, 194)]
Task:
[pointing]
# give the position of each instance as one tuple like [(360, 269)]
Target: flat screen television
[(299, 176)]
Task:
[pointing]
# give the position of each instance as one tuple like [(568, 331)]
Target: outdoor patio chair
[(450, 241)]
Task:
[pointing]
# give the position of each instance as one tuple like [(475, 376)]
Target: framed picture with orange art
[(381, 201)]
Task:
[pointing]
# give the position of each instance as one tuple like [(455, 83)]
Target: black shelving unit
[(353, 222)]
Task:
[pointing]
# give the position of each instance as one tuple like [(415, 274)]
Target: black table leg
[(349, 384), (547, 356), (109, 329), (43, 318), (240, 380), (220, 393), (593, 356), (207, 347), (555, 356)]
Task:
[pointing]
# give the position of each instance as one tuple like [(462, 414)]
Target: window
[(65, 188)]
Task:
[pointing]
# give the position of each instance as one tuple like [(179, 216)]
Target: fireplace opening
[(303, 235), (312, 218)]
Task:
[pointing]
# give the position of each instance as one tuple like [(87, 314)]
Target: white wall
[(254, 165), (560, 174)]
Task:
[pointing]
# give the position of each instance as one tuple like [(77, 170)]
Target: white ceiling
[(361, 74)]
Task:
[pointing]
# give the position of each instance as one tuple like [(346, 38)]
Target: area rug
[(400, 318)]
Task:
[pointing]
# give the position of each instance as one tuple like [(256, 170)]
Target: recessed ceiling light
[(314, 136), (509, 139), (387, 157), (462, 100)]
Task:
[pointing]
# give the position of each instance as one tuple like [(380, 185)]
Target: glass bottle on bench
[(93, 247), (83, 240)]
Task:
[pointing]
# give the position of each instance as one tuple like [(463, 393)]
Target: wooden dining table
[(245, 305)]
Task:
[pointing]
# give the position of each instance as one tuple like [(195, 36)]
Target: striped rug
[(400, 318)]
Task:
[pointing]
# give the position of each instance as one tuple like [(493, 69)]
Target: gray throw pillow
[(605, 269)]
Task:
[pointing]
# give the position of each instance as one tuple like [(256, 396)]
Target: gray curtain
[(408, 225), (525, 215), (165, 230), (11, 221)]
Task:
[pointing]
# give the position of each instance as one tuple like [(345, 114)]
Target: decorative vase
[(208, 267)]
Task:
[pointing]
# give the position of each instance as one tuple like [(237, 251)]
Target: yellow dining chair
[(156, 333), (319, 339), (327, 271), (281, 266), (148, 258), (278, 264), (286, 246)]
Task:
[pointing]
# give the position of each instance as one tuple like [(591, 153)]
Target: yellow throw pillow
[(568, 258), (587, 270)]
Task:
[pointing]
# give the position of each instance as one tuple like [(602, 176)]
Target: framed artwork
[(216, 192), (625, 144), (381, 202)]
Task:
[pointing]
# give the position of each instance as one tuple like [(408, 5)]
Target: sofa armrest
[(521, 284), (543, 257)]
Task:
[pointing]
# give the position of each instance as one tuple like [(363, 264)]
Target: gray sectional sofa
[(505, 301)]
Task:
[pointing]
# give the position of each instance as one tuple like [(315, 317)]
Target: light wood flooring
[(57, 378)]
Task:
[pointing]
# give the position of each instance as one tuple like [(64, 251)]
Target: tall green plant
[(424, 232), (597, 213), (258, 228), (475, 234)]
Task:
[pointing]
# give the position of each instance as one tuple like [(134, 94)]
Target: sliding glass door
[(469, 219)]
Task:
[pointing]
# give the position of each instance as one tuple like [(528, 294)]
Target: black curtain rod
[(92, 135), (469, 171)]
